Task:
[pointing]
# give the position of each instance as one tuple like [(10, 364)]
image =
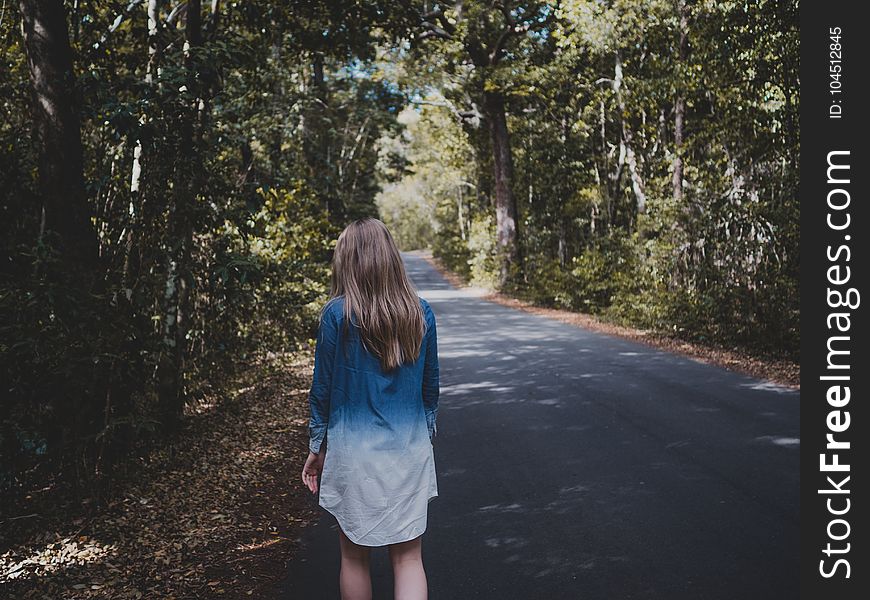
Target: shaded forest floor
[(780, 372), (216, 513)]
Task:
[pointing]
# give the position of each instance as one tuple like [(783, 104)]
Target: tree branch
[(432, 30), (117, 22), (438, 14), (516, 28), (176, 13)]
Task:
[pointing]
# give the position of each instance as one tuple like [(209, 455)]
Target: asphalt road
[(577, 465)]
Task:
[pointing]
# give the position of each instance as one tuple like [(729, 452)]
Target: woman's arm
[(431, 384), (319, 395)]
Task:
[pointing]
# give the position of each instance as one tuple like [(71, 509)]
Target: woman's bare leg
[(355, 581), (408, 573)]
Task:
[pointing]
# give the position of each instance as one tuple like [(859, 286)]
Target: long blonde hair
[(368, 271)]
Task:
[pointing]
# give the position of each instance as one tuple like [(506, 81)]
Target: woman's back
[(374, 401), (379, 470)]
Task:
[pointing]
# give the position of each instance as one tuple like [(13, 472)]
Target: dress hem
[(388, 543)]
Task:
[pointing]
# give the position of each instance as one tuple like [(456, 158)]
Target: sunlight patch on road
[(501, 508), (463, 353), (451, 472), (508, 542), (467, 388), (769, 386), (787, 442), (678, 444), (442, 294)]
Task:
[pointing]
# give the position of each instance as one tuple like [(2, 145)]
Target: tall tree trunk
[(153, 48), (507, 234), (680, 104), (179, 240), (606, 179), (136, 209), (65, 225), (150, 70), (316, 139), (459, 212), (637, 185), (64, 211)]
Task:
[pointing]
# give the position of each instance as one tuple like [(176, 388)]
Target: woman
[(374, 401)]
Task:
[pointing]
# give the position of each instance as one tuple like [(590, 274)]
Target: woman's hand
[(313, 467)]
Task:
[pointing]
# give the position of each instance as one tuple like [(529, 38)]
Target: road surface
[(572, 464)]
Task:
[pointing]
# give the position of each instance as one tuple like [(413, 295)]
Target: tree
[(491, 38), (64, 211)]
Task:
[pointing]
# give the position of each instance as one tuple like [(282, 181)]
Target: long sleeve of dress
[(319, 395), (431, 385)]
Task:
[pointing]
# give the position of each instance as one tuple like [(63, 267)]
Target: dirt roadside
[(216, 514)]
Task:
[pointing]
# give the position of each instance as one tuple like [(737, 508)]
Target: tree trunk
[(316, 139), (507, 234), (65, 225), (459, 213), (64, 211), (607, 180), (171, 367), (637, 185), (136, 208), (680, 105), (153, 22)]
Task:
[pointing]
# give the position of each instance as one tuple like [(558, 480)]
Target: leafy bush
[(482, 262)]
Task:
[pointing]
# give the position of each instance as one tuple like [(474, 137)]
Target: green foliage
[(608, 278), (290, 251), (408, 219), (254, 149), (483, 260), (591, 99), (433, 194)]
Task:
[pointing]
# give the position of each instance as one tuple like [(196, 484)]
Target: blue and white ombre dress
[(379, 471)]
